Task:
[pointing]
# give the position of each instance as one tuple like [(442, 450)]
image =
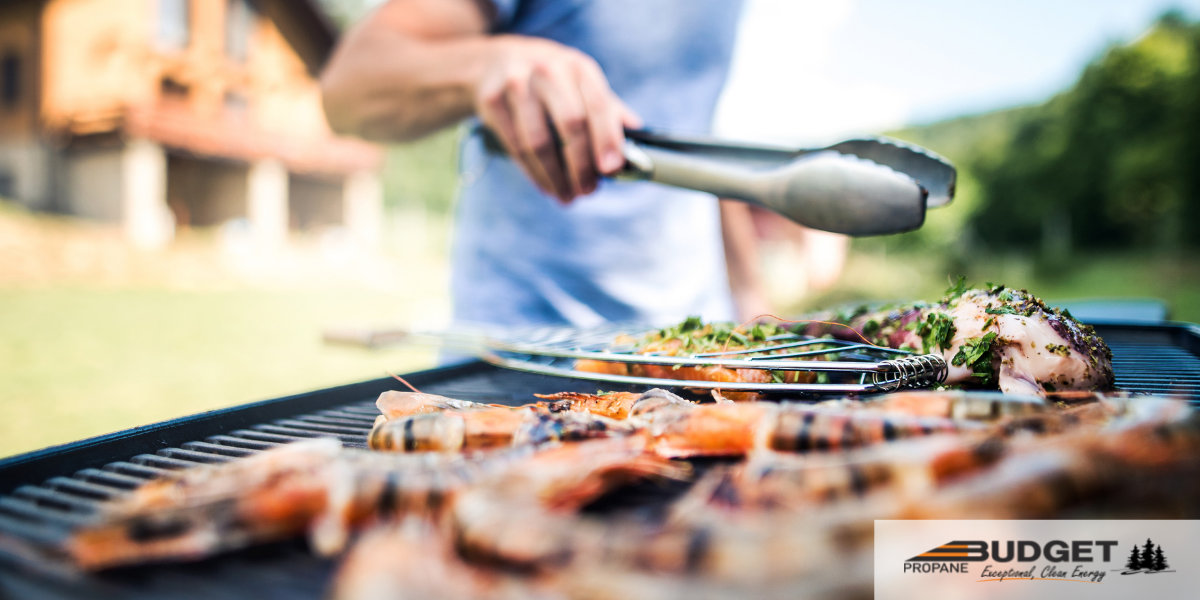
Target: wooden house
[(163, 114)]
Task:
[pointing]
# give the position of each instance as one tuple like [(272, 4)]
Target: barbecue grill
[(48, 491)]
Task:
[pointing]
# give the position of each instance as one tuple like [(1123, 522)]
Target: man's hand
[(534, 90)]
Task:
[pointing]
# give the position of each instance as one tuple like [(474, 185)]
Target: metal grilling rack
[(849, 367)]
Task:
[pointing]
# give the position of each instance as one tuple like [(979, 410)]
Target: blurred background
[(178, 225)]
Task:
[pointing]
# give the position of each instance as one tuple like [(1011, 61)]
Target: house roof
[(306, 26), (303, 22)]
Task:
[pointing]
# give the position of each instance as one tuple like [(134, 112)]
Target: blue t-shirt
[(631, 250)]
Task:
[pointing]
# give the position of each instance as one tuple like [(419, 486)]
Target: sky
[(811, 72)]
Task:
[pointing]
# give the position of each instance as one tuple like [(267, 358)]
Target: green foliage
[(346, 12), (1106, 164)]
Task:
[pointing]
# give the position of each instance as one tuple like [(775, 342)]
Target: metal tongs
[(861, 187)]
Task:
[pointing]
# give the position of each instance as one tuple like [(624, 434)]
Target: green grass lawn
[(76, 363)]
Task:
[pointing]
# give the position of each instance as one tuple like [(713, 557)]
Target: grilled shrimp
[(852, 579), (747, 548), (905, 468), (978, 406), (736, 429), (776, 481), (395, 404), (1146, 459), (208, 509), (1138, 468), (312, 486), (449, 430), (412, 560), (615, 405), (569, 417), (524, 515), (484, 429)]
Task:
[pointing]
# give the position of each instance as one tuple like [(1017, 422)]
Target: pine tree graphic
[(1160, 560), (1135, 560), (1147, 562)]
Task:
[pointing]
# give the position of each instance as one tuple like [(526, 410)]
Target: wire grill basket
[(847, 367)]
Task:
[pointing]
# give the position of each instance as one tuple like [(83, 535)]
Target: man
[(544, 236)]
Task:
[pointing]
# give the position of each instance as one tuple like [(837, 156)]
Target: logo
[(955, 556), (955, 551), (1150, 560), (1100, 559)]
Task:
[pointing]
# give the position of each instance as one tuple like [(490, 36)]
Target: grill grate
[(1157, 360), (62, 502), (1140, 368)]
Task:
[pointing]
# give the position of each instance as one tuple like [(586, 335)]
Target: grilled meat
[(991, 337)]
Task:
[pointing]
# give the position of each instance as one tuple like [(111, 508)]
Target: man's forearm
[(415, 66), (396, 78)]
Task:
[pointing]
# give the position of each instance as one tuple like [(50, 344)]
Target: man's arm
[(415, 66), (741, 259)]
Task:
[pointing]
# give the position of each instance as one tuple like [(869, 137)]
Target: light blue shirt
[(631, 250)]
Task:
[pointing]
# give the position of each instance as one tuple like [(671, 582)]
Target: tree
[(1107, 164), (1135, 560), (1148, 555), (1160, 561)]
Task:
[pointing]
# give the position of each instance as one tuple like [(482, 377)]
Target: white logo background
[(898, 541)]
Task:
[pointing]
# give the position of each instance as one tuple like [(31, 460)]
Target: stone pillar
[(147, 221), (267, 202), (362, 205)]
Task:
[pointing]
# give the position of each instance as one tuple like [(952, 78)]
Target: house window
[(239, 20), (8, 185), (10, 80), (174, 24), (170, 90), (236, 107)]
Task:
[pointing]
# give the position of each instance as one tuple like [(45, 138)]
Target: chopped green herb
[(936, 332), (871, 327), (976, 353), (690, 324), (761, 331), (1058, 349), (956, 290), (1003, 310)]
